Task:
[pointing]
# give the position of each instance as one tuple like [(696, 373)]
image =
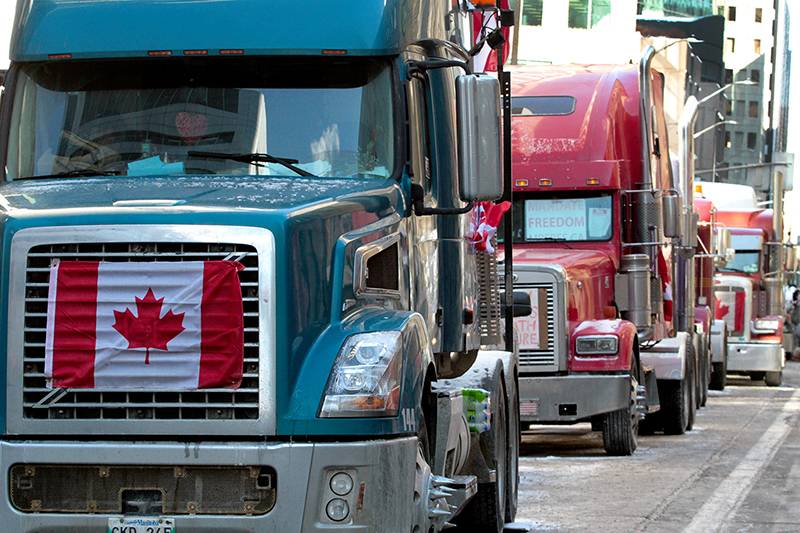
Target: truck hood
[(579, 264), (206, 192)]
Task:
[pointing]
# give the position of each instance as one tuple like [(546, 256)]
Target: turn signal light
[(521, 183), (609, 312), (592, 181), (545, 183)]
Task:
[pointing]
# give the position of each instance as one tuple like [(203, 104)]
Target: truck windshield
[(329, 118), (745, 261), (567, 218)]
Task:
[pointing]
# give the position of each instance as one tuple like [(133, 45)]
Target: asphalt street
[(738, 470)]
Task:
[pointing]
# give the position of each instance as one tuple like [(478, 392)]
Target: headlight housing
[(365, 380), (766, 325), (597, 345)]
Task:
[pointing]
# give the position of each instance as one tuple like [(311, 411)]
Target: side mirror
[(479, 138), (522, 304), (672, 208)]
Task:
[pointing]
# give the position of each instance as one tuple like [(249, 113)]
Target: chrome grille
[(40, 402), (535, 360)]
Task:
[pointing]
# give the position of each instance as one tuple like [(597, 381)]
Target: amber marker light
[(195, 52), (334, 52), (609, 312), (545, 183), (159, 52), (231, 52), (59, 56), (484, 3), (592, 181), (521, 183)]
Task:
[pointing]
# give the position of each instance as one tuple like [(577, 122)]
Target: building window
[(732, 13), (751, 141), (753, 109), (731, 42), (532, 12), (755, 76), (727, 139), (585, 14), (728, 107), (758, 14), (757, 46), (728, 76)]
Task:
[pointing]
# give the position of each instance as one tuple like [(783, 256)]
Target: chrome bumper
[(571, 398), (755, 357)]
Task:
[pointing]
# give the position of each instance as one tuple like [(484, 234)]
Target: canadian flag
[(730, 308), (144, 325), (666, 286)]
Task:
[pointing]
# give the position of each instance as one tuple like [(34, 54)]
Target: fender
[(305, 394), (767, 335), (625, 332)]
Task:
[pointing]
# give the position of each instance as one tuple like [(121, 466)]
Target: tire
[(485, 512), (512, 470), (705, 373), (692, 377), (719, 371), (620, 427), (677, 403), (774, 379)]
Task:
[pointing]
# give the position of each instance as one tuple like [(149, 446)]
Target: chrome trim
[(261, 239), (361, 273)]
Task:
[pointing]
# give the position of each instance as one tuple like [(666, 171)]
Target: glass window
[(563, 218), (757, 46), (585, 14), (164, 117), (728, 76), (758, 14), (752, 138), (745, 261), (727, 139), (542, 105), (532, 12), (731, 42), (755, 76), (732, 13), (753, 109)]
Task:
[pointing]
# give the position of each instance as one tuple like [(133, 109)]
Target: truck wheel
[(719, 371), (705, 374), (774, 379), (620, 427), (512, 460), (692, 379), (485, 513)]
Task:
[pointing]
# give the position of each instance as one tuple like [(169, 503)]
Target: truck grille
[(40, 402), (545, 359)]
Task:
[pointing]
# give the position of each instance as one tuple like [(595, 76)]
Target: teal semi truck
[(240, 266)]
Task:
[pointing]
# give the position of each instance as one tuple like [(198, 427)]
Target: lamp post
[(699, 133), (743, 82)]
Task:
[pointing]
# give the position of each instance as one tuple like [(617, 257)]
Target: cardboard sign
[(532, 329)]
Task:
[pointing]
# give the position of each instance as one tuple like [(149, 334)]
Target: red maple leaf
[(722, 310), (149, 329)]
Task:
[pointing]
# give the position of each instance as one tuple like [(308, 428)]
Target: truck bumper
[(383, 473), (571, 398), (755, 357)]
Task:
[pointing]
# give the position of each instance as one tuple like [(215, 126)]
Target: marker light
[(195, 52), (59, 56), (230, 52), (484, 3), (545, 183), (159, 52), (521, 183), (334, 52), (592, 181)]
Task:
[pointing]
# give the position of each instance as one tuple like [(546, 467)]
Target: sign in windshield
[(574, 219)]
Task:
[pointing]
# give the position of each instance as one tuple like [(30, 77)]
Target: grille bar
[(99, 404), (534, 360)]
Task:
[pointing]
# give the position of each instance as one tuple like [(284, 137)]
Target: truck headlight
[(766, 325), (596, 345), (365, 381)]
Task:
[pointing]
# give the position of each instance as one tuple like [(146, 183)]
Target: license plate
[(129, 524)]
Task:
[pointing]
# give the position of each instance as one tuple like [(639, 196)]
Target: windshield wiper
[(83, 173), (255, 159)]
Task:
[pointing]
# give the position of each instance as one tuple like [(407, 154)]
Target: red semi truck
[(603, 237), (749, 289)]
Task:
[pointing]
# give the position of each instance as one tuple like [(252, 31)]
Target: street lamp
[(699, 133), (743, 82)]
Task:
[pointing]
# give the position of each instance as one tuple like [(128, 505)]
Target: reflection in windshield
[(153, 118), (744, 261)]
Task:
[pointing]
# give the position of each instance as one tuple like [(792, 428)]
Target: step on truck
[(591, 247), (749, 289), (243, 289)]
